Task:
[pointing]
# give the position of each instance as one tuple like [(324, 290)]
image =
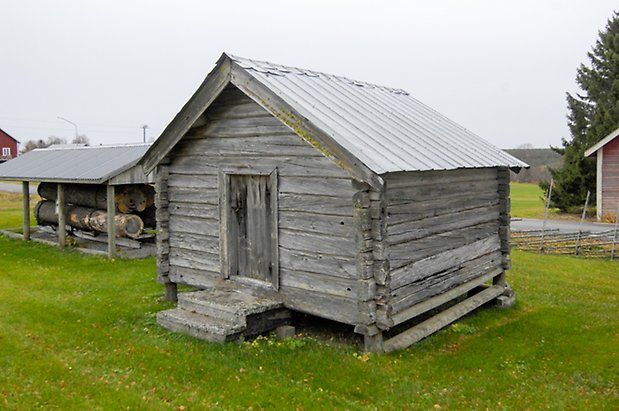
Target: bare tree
[(32, 144), (81, 139)]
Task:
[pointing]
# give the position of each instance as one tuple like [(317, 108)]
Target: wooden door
[(251, 227)]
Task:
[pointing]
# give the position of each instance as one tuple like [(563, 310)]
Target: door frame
[(227, 245)]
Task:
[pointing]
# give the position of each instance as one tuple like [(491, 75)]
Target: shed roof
[(89, 164), (593, 149), (366, 127)]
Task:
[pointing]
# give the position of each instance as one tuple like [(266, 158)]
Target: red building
[(607, 153), (8, 146)]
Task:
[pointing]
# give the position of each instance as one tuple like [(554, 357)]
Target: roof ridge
[(310, 73), (87, 147)]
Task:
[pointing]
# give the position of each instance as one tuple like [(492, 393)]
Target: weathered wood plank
[(317, 243), (441, 224), (195, 277), (316, 167), (239, 108), (439, 321), (406, 253), (344, 267), (197, 242), (317, 223), (181, 257), (192, 196), (327, 205), (417, 210), (431, 178), (447, 189), (193, 225), (195, 210), (361, 290), (342, 309), (260, 145), (436, 301), (193, 181), (249, 127), (436, 284), (443, 261), (318, 186)]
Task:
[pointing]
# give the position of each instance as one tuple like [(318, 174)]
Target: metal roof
[(90, 164), (385, 128), (593, 149)]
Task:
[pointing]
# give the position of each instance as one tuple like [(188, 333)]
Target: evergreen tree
[(592, 115)]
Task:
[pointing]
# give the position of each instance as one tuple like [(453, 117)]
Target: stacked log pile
[(86, 208)]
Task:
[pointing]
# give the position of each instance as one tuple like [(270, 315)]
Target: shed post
[(26, 207), (111, 224), (62, 216)]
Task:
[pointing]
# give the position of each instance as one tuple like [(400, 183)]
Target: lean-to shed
[(98, 175), (330, 196)]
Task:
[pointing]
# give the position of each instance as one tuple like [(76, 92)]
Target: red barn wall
[(7, 141), (610, 178)]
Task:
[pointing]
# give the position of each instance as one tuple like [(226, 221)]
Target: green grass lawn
[(79, 332), (11, 210), (526, 200)]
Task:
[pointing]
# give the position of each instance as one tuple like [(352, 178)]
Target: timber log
[(128, 198), (84, 218), (148, 216)]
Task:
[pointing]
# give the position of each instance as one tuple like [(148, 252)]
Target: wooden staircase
[(223, 314)]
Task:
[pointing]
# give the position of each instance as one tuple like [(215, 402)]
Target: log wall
[(318, 271), (441, 231)]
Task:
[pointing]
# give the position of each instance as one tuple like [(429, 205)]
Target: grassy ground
[(526, 200), (11, 210), (79, 332)]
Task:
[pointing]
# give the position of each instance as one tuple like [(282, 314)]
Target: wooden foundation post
[(62, 217), (26, 207), (111, 226), (373, 343), (171, 292)]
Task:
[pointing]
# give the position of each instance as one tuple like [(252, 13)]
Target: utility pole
[(144, 127)]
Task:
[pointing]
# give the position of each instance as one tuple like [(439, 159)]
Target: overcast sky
[(498, 68)]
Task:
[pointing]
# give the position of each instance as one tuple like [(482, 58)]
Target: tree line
[(52, 140), (593, 113)]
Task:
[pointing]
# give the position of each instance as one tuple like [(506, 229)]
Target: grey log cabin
[(280, 188)]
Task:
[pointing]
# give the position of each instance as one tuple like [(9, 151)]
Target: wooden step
[(200, 326), (225, 303), (223, 314), (444, 318)]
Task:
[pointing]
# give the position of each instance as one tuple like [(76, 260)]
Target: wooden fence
[(602, 244)]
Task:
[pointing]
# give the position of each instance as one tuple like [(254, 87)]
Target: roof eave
[(593, 149), (211, 87)]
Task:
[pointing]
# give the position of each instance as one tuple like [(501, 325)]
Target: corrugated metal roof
[(385, 128), (93, 165)]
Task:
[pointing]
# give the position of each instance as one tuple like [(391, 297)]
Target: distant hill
[(539, 159)]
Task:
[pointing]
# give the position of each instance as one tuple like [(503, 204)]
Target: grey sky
[(498, 68)]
